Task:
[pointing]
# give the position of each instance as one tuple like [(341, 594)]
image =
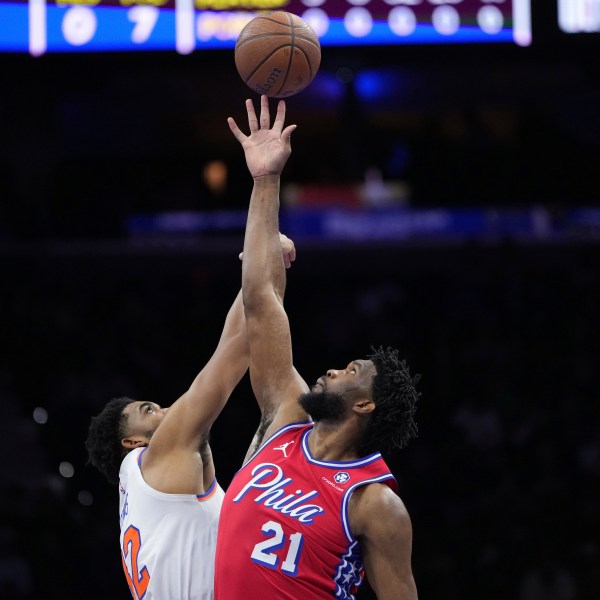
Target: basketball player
[(160, 457), (315, 508)]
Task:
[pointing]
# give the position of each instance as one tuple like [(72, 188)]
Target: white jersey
[(167, 540)]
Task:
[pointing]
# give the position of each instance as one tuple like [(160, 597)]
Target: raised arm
[(275, 382), (172, 462), (288, 253)]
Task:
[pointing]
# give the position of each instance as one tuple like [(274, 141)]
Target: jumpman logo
[(283, 448)]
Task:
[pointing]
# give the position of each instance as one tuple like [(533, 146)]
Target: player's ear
[(136, 441), (364, 407)]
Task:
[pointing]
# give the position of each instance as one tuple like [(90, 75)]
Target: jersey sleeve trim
[(209, 493), (139, 458)]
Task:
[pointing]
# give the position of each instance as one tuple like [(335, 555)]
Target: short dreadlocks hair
[(103, 442), (392, 422)]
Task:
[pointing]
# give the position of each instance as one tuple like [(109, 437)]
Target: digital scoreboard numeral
[(144, 19), (79, 25)]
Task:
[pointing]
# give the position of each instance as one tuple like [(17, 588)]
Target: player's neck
[(337, 442)]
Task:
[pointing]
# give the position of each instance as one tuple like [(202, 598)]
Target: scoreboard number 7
[(144, 19)]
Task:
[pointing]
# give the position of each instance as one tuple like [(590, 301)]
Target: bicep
[(386, 544), (275, 382)]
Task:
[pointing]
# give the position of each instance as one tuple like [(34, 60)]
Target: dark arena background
[(443, 198)]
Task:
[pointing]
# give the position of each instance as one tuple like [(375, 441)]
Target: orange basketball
[(277, 54)]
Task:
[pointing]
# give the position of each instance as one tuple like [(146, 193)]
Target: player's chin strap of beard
[(323, 406)]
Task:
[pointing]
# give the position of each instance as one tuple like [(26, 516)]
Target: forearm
[(394, 589), (231, 357), (263, 271), (229, 363), (189, 419), (235, 321), (233, 345)]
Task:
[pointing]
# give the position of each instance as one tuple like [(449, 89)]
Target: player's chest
[(294, 493)]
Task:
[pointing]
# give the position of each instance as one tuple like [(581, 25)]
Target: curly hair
[(105, 433), (392, 422)]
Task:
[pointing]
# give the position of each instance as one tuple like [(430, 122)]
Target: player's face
[(143, 418), (334, 394), (356, 377)]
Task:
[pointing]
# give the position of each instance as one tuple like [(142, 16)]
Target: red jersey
[(284, 532)]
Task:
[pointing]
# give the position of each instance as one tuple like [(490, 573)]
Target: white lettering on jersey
[(270, 477), (328, 482)]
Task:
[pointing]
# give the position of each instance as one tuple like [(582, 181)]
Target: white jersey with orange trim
[(167, 540)]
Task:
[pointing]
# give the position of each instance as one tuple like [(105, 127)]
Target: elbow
[(256, 297), (250, 298), (258, 307)]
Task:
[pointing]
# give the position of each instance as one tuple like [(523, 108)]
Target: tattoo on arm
[(265, 421)]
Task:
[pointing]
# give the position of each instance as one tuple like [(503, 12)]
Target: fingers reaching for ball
[(279, 117), (266, 148), (252, 119), (239, 136), (265, 118)]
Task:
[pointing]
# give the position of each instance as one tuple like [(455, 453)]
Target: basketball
[(277, 54)]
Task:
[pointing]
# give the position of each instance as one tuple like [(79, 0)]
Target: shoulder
[(376, 510), (132, 460), (178, 470)]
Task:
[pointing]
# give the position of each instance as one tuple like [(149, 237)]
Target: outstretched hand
[(266, 148)]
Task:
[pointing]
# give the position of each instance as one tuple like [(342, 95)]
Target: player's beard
[(323, 406)]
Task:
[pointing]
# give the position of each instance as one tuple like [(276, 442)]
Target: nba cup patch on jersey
[(341, 477)]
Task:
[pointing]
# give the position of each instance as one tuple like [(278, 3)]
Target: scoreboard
[(579, 16), (184, 26)]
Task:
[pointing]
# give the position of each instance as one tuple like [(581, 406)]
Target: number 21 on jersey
[(263, 555)]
